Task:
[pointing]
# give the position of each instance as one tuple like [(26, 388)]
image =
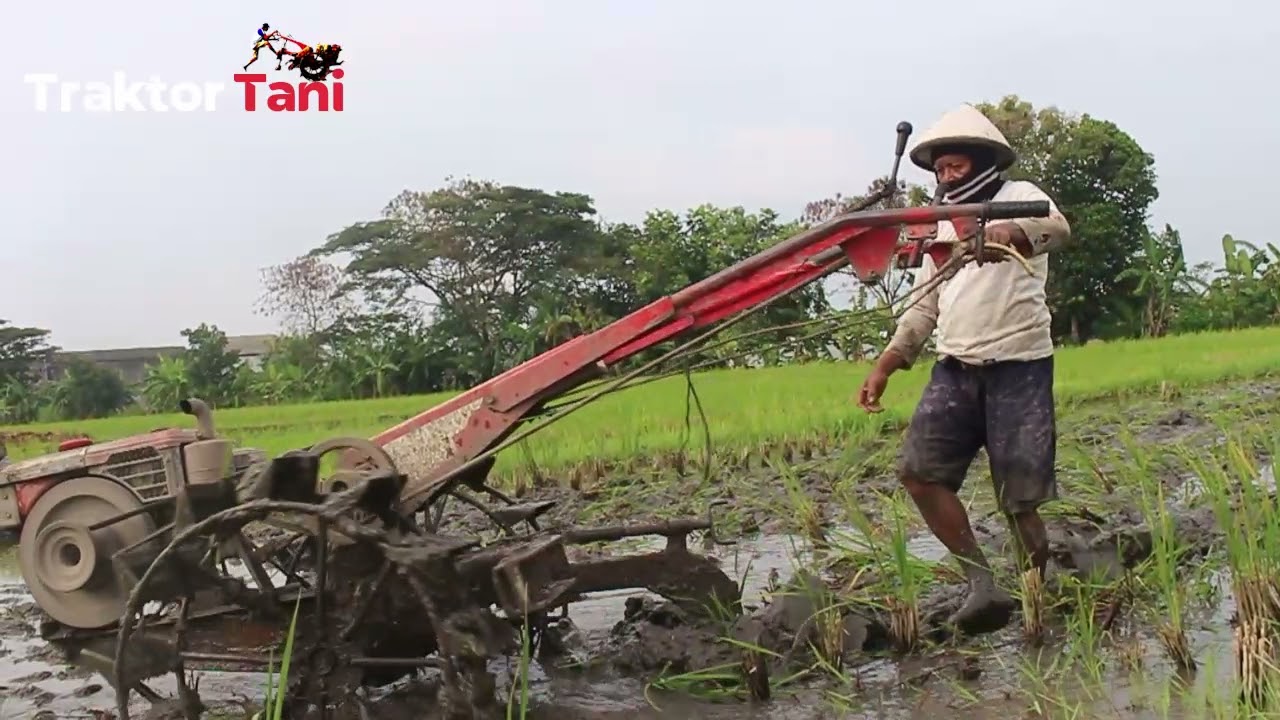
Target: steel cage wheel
[(360, 457), (230, 519)]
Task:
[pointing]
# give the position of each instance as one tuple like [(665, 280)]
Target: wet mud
[(17, 438), (635, 655), (24, 442)]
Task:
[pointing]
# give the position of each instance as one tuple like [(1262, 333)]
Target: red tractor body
[(150, 465)]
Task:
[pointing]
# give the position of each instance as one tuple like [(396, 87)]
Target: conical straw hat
[(966, 125)]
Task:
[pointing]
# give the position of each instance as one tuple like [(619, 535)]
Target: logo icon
[(312, 63)]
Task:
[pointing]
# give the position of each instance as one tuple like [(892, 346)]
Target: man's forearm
[(891, 361), (1041, 235), (908, 341)]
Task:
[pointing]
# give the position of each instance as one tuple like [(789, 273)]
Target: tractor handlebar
[(1012, 210)]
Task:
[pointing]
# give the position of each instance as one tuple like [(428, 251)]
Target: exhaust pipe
[(203, 415), (208, 459)]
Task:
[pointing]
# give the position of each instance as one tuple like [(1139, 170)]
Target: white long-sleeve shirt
[(990, 313)]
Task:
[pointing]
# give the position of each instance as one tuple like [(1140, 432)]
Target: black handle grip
[(904, 132), (1017, 209)]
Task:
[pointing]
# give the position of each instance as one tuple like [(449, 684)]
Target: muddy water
[(32, 681), (28, 681), (750, 562), (32, 678)]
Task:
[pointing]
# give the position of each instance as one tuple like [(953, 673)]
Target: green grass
[(745, 408)]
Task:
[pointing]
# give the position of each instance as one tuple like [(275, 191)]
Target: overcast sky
[(121, 229)]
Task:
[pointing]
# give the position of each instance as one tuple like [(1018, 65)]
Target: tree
[(907, 195), (305, 294), (386, 353), (88, 390), (484, 253), (1243, 292), (1104, 183), (874, 303), (22, 350), (1161, 274), (670, 252), (890, 288), (210, 365), (20, 402), (166, 383)]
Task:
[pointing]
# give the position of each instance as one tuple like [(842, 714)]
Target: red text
[(288, 97)]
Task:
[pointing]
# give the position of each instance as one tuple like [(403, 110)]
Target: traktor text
[(120, 95), (288, 97)]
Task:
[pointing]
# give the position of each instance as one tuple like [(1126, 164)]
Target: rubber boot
[(987, 608)]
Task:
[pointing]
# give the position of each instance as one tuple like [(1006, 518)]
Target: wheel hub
[(68, 556), (64, 564)]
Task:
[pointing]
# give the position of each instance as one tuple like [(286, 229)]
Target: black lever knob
[(904, 131)]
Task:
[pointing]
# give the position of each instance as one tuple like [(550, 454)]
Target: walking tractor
[(173, 552)]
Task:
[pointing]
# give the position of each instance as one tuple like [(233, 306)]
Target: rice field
[(1153, 451), (1161, 602), (745, 409)]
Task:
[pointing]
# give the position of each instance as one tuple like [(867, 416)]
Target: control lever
[(891, 188)]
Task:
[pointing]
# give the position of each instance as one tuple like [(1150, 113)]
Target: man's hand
[(1009, 234), (889, 362), (991, 255), (871, 390)]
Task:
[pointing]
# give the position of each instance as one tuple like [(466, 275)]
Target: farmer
[(992, 385), (265, 36)]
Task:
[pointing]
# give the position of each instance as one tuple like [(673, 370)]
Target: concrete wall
[(132, 363)]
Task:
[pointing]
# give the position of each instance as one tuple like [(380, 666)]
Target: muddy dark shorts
[(1006, 407)]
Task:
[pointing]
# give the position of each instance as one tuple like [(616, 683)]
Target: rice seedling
[(277, 688), (1085, 634), (522, 679), (1131, 655), (1249, 517), (1039, 683), (808, 517), (829, 632), (1031, 595), (900, 578), (1166, 558), (743, 680)]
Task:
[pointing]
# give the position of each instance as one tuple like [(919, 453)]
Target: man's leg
[(945, 434), (1022, 444)]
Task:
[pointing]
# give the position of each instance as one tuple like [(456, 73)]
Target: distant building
[(132, 363)]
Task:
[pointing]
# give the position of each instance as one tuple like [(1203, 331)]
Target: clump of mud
[(1106, 552), (657, 635), (19, 619), (23, 437)]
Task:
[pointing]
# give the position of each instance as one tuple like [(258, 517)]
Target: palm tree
[(19, 402), (166, 383), (376, 364), (282, 381), (1160, 271)]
